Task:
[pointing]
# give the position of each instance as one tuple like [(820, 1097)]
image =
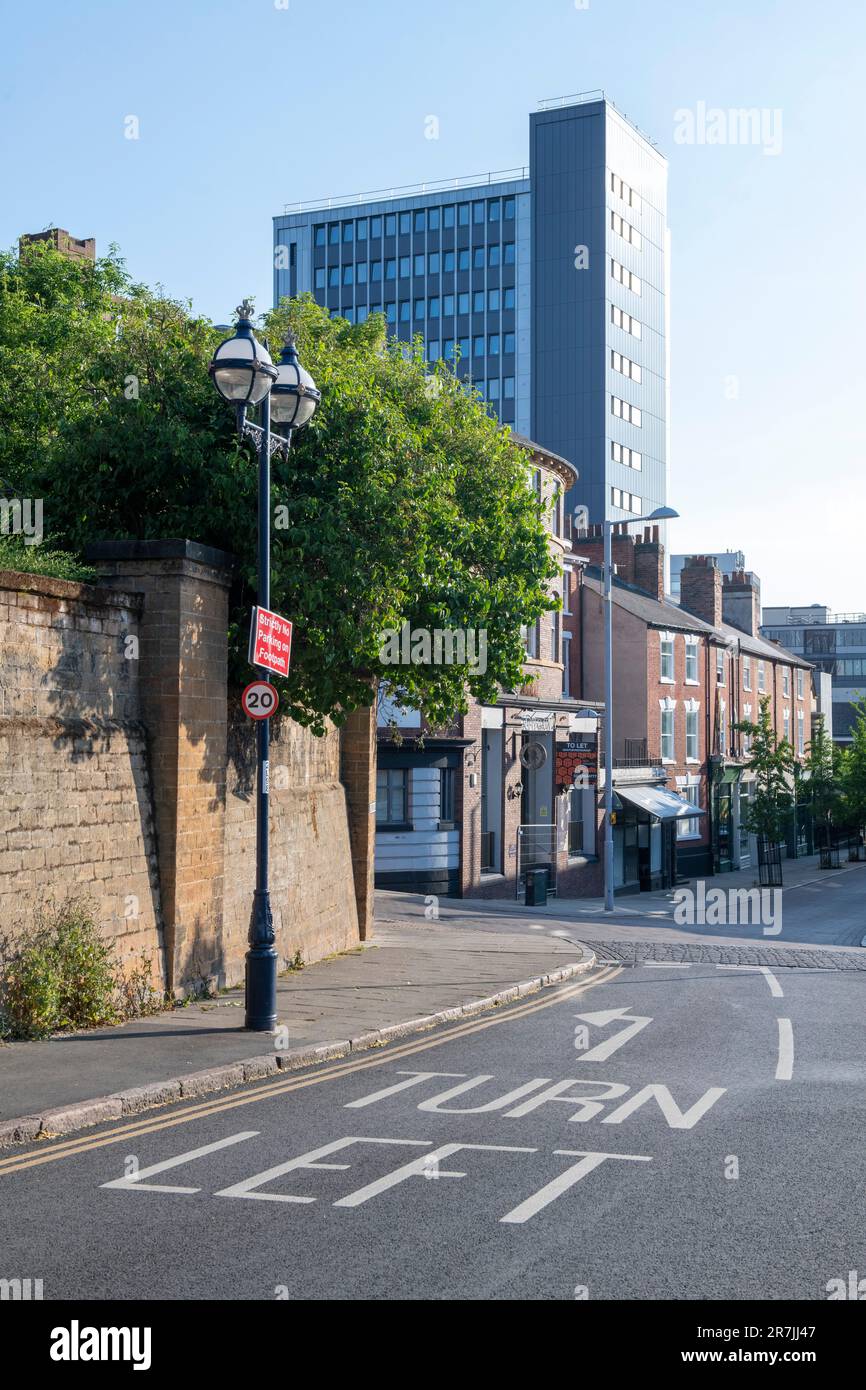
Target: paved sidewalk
[(407, 978), (820, 908)]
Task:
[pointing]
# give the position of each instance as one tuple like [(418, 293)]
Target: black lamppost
[(244, 375)]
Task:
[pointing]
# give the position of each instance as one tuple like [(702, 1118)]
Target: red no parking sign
[(259, 700), (270, 641)]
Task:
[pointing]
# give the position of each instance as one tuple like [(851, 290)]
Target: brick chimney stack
[(649, 563), (741, 601), (701, 589), (590, 543)]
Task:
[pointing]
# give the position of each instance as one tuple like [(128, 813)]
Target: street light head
[(241, 369), (661, 514), (295, 396)]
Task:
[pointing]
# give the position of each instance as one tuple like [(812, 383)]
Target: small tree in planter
[(824, 781), (771, 805), (853, 771)]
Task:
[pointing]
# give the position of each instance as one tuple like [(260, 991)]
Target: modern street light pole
[(660, 514), (608, 717), (244, 374)]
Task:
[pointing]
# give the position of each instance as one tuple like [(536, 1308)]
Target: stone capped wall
[(128, 773), (75, 795)]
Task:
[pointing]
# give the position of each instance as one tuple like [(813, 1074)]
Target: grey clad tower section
[(599, 304), (547, 286)]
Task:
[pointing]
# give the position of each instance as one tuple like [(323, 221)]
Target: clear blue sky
[(243, 106)]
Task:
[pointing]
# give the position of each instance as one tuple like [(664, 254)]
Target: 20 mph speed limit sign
[(259, 700)]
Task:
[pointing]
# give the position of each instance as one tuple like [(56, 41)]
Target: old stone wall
[(312, 890), (128, 773), (76, 810)]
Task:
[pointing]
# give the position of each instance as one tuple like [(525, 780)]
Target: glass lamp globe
[(295, 396), (242, 369)]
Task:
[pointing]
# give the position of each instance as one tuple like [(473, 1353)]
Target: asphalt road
[(702, 1137)]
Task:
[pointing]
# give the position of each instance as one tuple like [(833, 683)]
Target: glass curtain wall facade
[(835, 643), (451, 266), (547, 286)]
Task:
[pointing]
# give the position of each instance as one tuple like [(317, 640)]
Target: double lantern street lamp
[(244, 374), (660, 514)]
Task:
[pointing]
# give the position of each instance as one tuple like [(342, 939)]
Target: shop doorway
[(536, 847)]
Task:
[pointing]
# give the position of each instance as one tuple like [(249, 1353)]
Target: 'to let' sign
[(259, 700)]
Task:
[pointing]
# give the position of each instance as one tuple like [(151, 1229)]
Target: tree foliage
[(402, 501), (822, 768), (772, 760), (853, 771)]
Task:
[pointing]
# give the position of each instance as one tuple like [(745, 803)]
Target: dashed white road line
[(774, 986), (668, 964), (785, 1064)]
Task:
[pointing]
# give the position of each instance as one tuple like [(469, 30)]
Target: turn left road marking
[(600, 1053)]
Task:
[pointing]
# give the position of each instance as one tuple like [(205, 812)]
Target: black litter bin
[(536, 887)]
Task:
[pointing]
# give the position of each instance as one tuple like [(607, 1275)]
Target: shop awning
[(659, 802), (731, 774)]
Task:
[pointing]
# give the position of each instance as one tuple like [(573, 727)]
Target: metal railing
[(577, 99), (829, 855), (636, 751), (769, 863), (636, 755), (808, 620), (409, 190), (581, 98), (536, 849)]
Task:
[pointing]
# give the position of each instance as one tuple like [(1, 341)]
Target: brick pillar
[(182, 678), (358, 775)]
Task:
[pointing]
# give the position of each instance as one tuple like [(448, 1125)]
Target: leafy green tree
[(402, 502), (772, 760), (823, 788), (854, 770), (56, 316)]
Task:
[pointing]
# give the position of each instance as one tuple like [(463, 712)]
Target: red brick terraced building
[(684, 676)]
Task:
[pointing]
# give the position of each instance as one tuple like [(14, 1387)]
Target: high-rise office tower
[(546, 286)]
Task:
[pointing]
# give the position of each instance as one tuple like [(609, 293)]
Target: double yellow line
[(267, 1090)]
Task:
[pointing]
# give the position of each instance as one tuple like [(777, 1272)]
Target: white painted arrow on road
[(601, 1019)]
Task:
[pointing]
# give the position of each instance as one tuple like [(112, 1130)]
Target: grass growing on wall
[(15, 554)]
